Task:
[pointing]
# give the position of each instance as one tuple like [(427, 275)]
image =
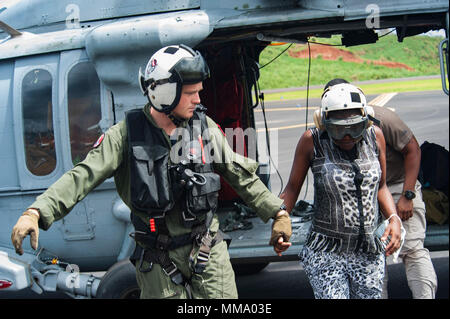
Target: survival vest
[(159, 176)]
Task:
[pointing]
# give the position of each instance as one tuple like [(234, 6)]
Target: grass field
[(418, 53), (373, 88)]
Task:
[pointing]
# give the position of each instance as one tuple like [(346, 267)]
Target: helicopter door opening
[(227, 94)]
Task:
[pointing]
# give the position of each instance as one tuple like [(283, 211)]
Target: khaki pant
[(420, 272), (216, 282)]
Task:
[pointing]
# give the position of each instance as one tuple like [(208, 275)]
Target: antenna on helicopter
[(10, 30)]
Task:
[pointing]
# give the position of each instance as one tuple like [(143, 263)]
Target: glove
[(281, 227), (26, 225)]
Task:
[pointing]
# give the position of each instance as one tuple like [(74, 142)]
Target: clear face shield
[(353, 126)]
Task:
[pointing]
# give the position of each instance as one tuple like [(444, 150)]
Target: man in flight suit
[(180, 252)]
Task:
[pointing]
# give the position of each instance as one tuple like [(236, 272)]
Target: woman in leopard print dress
[(342, 257)]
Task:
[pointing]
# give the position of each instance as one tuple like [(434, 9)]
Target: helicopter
[(68, 71)]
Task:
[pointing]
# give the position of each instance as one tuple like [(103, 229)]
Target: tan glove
[(281, 227), (27, 224)]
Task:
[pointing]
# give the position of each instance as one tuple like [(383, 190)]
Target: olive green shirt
[(110, 159)]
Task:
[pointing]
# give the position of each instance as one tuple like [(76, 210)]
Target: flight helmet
[(339, 97), (167, 71)]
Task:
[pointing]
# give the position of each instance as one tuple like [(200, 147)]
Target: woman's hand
[(394, 231)]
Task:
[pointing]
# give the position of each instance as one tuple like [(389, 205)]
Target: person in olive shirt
[(402, 168), (172, 82)]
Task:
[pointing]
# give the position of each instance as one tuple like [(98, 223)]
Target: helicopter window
[(38, 122), (84, 109)]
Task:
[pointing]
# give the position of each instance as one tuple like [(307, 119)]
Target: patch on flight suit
[(99, 141)]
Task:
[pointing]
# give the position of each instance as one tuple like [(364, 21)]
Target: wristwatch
[(283, 207), (409, 195)]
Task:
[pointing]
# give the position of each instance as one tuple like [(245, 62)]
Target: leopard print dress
[(341, 256), (345, 196)]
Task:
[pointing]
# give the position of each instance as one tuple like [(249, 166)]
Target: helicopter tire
[(119, 282)]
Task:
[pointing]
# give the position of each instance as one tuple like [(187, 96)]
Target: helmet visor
[(353, 126), (190, 70)]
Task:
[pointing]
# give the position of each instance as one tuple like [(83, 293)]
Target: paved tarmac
[(287, 280)]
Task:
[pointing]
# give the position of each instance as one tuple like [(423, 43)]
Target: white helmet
[(166, 72), (344, 97)]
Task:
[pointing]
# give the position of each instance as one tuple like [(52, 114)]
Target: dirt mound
[(332, 53)]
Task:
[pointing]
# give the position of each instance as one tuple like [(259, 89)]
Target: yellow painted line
[(285, 127), (382, 99), (288, 109), (375, 100)]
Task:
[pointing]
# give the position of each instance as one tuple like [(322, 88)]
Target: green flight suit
[(110, 158)]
